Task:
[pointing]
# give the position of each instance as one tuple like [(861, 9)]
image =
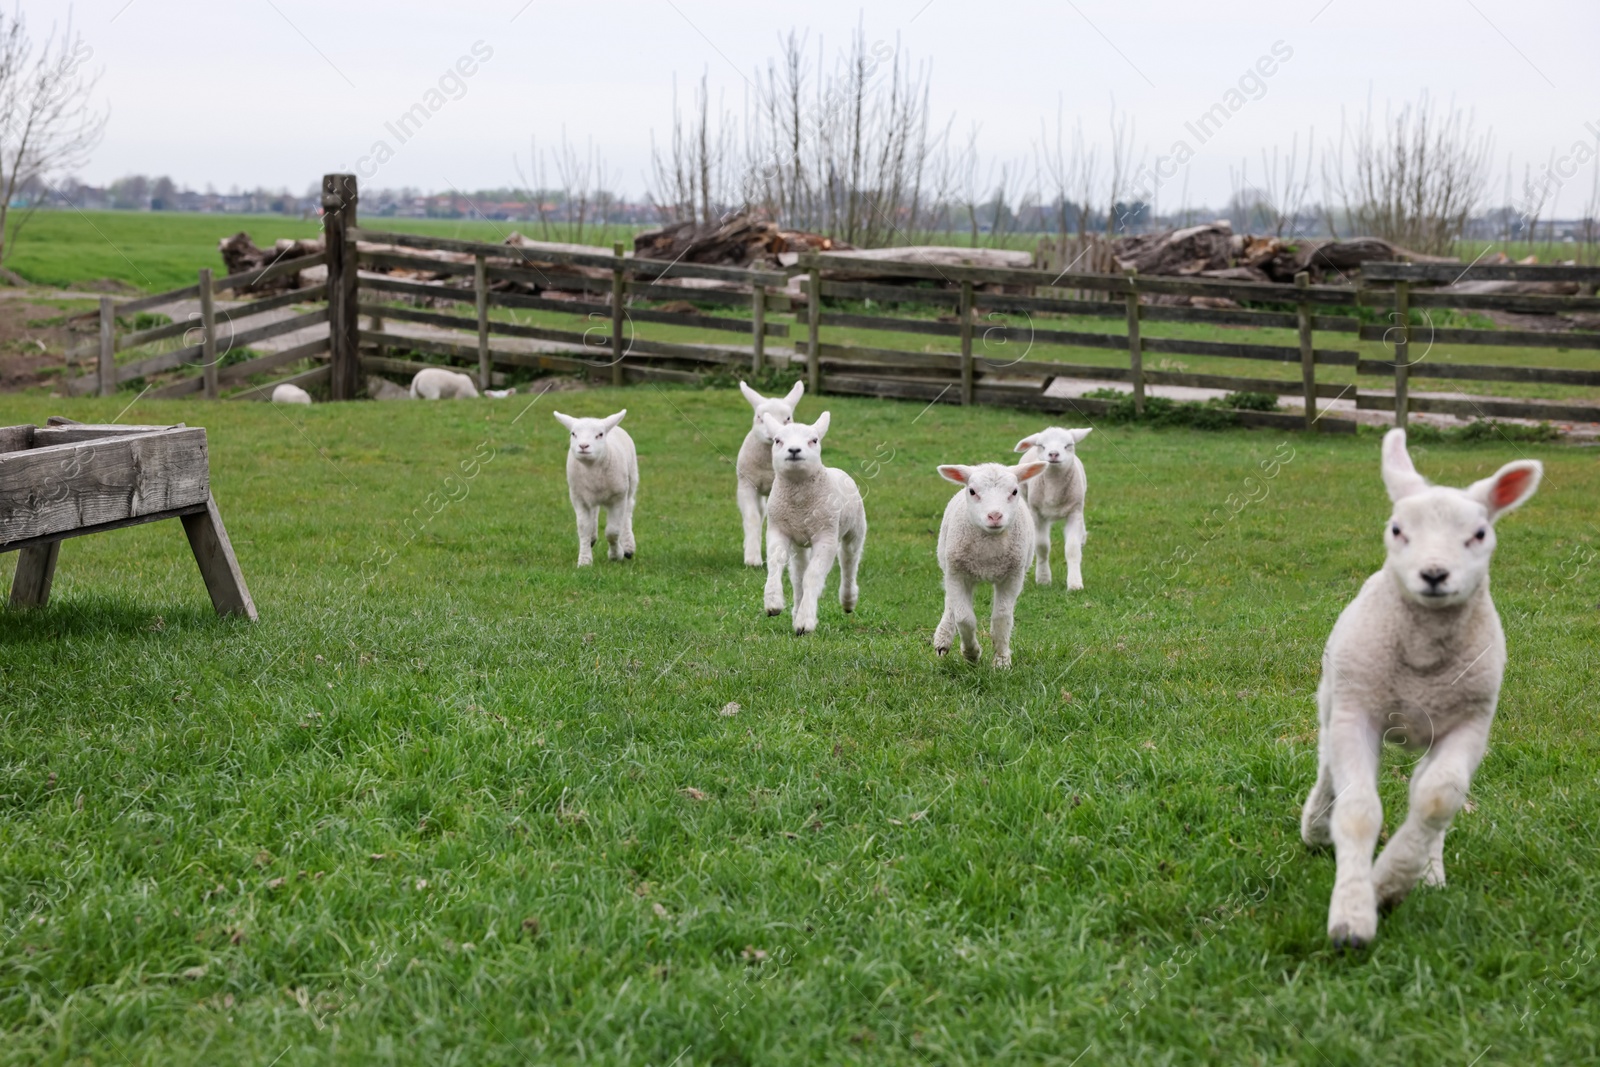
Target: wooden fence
[(607, 344)]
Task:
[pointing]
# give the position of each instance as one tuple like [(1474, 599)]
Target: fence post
[(618, 287), (1135, 351), (108, 348), (1308, 355), (339, 198), (480, 285), (208, 339), (814, 330), (1402, 354), (758, 328), (966, 342)]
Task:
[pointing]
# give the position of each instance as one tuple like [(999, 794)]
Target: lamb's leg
[(1438, 789), (818, 563), (750, 510), (614, 532), (958, 618), (1041, 549), (778, 549), (1074, 537), (588, 532), (797, 576), (625, 525), (1317, 813), (1001, 616), (1352, 754), (849, 562)]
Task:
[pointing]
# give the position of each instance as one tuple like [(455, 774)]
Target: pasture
[(453, 800)]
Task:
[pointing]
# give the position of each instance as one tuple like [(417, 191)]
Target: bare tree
[(47, 123), (1414, 180), (690, 181)]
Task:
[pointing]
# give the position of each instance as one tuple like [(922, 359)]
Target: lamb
[(500, 394), (1058, 494), (436, 383), (1416, 658), (986, 535), (290, 394), (754, 467), (814, 514), (602, 472)]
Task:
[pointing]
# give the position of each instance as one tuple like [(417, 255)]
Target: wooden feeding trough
[(67, 479)]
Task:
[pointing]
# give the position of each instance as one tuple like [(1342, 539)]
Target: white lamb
[(1058, 494), (500, 394), (602, 472), (1415, 659), (986, 536), (814, 514), (290, 394), (436, 383), (754, 468)]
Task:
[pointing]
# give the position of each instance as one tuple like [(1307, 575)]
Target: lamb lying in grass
[(1416, 659), (290, 394), (602, 472), (814, 514), (1057, 494), (754, 468), (436, 383), (500, 394), (986, 536)]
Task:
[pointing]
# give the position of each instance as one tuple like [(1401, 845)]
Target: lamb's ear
[(1024, 471), (955, 472), (795, 394), (1078, 435), (771, 425), (1024, 444), (1399, 475), (565, 420), (755, 398), (612, 420), (821, 425), (1508, 487)]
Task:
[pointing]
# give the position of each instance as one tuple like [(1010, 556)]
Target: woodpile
[(239, 254), (742, 241)]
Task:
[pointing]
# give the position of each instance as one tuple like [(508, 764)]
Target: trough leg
[(218, 565), (36, 569)]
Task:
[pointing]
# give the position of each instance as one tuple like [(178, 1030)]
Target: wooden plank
[(1135, 350), (1235, 384), (107, 366), (813, 330), (1449, 273), (1487, 407), (758, 328), (36, 571), (67, 433), (480, 293), (234, 372), (1527, 303), (310, 294), (208, 327), (1308, 358), (247, 278), (155, 300), (219, 567), (1483, 372), (619, 280), (891, 294), (340, 199), (1233, 350), (314, 376), (574, 364), (172, 360), (1500, 338), (966, 342), (458, 322), (13, 438), (102, 527), (1402, 351), (52, 489), (432, 290)]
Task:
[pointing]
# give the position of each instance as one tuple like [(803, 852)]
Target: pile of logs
[(239, 254), (742, 241), (1213, 250)]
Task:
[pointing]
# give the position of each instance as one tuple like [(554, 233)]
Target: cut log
[(240, 254)]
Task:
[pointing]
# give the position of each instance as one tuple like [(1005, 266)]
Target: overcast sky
[(277, 92)]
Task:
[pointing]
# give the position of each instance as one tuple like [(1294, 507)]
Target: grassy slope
[(1097, 850)]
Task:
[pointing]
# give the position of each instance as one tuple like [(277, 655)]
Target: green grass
[(883, 857)]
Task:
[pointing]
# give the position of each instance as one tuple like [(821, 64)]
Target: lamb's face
[(796, 447), (587, 440), (780, 408), (1439, 543), (1056, 445), (992, 491), (1440, 540)]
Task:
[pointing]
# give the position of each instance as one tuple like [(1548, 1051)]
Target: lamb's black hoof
[(627, 555), (1342, 938), (774, 611)]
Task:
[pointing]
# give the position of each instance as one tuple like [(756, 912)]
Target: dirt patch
[(33, 338)]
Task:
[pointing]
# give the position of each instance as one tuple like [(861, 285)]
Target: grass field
[(453, 800)]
